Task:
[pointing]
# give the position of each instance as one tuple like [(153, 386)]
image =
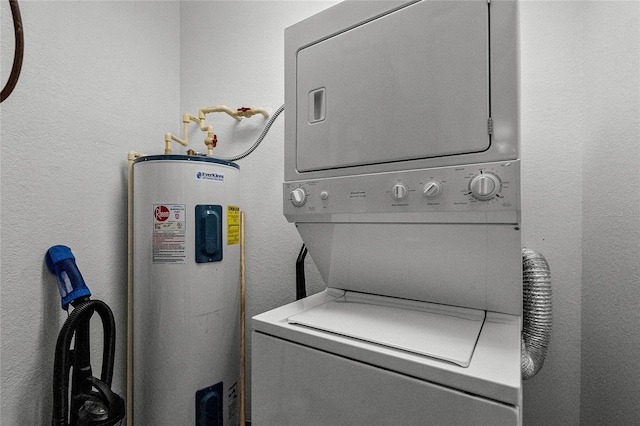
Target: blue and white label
[(200, 175)]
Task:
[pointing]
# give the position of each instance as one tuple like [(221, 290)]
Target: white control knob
[(484, 186), (399, 191), (298, 197), (431, 190)]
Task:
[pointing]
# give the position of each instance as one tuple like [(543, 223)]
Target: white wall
[(581, 204), (611, 215), (98, 79), (551, 141), (133, 68)]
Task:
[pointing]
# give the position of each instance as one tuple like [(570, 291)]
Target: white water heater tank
[(186, 291)]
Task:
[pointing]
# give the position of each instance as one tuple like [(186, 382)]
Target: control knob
[(298, 197), (484, 186), (399, 191), (431, 190)]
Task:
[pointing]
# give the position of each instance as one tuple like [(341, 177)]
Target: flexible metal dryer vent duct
[(537, 318)]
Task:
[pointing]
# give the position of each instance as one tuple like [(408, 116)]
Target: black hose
[(62, 362), (18, 53), (301, 287)]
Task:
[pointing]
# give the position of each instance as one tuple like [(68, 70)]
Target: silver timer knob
[(298, 197), (431, 190), (484, 186)]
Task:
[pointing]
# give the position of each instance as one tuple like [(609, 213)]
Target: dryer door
[(408, 85)]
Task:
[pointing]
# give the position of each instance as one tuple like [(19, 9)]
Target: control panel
[(485, 192)]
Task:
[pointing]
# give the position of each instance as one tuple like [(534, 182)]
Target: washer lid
[(448, 333)]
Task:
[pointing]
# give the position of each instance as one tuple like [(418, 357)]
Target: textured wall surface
[(97, 81), (551, 138), (611, 216)]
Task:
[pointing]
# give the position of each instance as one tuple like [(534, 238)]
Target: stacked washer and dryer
[(402, 176)]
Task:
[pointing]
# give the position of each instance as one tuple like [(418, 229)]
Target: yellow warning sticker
[(233, 225)]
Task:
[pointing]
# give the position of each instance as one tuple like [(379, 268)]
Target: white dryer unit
[(402, 176)]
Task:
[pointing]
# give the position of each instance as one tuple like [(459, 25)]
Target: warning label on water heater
[(169, 243), (233, 225)]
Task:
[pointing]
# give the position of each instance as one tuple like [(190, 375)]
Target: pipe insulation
[(537, 311)]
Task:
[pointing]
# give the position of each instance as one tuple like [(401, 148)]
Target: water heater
[(186, 306)]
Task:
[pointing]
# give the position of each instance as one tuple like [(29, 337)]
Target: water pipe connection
[(211, 140)]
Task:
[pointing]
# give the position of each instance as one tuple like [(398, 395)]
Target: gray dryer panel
[(420, 91)]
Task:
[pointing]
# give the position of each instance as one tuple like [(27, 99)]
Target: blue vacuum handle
[(60, 261)]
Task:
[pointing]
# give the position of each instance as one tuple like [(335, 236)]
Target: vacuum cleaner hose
[(63, 356)]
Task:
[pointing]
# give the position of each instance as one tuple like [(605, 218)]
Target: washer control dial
[(431, 190), (399, 191), (484, 186), (298, 197)]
